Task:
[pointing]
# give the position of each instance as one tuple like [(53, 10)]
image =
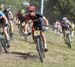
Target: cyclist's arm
[(46, 21), (11, 14)]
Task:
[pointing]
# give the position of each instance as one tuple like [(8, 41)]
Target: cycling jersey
[(1, 19), (37, 21), (1, 14), (66, 25), (20, 17)]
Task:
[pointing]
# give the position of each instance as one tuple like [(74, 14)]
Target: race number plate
[(36, 33), (67, 32)]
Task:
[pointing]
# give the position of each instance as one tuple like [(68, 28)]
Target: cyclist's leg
[(43, 36), (5, 30), (26, 28), (23, 26), (44, 40), (11, 25), (33, 36), (71, 35)]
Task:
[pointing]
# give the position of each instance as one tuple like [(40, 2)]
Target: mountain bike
[(68, 38), (2, 42), (39, 43)]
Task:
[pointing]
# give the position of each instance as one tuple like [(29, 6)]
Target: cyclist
[(66, 25), (4, 23), (9, 16), (20, 16), (21, 19), (57, 27), (37, 21)]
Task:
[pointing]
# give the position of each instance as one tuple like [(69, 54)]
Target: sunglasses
[(31, 11)]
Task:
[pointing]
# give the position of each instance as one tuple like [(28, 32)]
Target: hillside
[(23, 54)]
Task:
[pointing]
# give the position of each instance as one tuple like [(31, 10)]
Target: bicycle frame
[(2, 42), (68, 38), (38, 40)]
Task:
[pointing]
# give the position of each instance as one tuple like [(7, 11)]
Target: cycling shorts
[(2, 23)]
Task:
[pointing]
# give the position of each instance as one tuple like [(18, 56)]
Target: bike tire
[(40, 49), (10, 33), (68, 41), (3, 42), (1, 48)]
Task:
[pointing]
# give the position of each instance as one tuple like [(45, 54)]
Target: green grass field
[(23, 54)]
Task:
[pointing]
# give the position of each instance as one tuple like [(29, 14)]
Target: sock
[(45, 45)]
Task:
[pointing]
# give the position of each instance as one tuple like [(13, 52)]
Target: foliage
[(53, 10), (59, 8)]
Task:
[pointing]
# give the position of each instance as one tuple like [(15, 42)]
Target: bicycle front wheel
[(3, 42), (68, 41), (0, 48), (40, 49)]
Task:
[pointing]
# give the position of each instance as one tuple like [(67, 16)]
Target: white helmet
[(67, 21), (64, 18), (23, 11)]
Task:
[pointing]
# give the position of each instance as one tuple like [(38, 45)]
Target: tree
[(56, 9)]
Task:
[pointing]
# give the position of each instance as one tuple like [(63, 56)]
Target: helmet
[(68, 22), (1, 6), (32, 8), (22, 11), (64, 18), (8, 9)]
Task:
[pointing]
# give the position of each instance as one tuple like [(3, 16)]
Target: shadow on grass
[(28, 55), (31, 42)]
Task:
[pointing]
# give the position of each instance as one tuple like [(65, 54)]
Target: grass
[(23, 54)]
